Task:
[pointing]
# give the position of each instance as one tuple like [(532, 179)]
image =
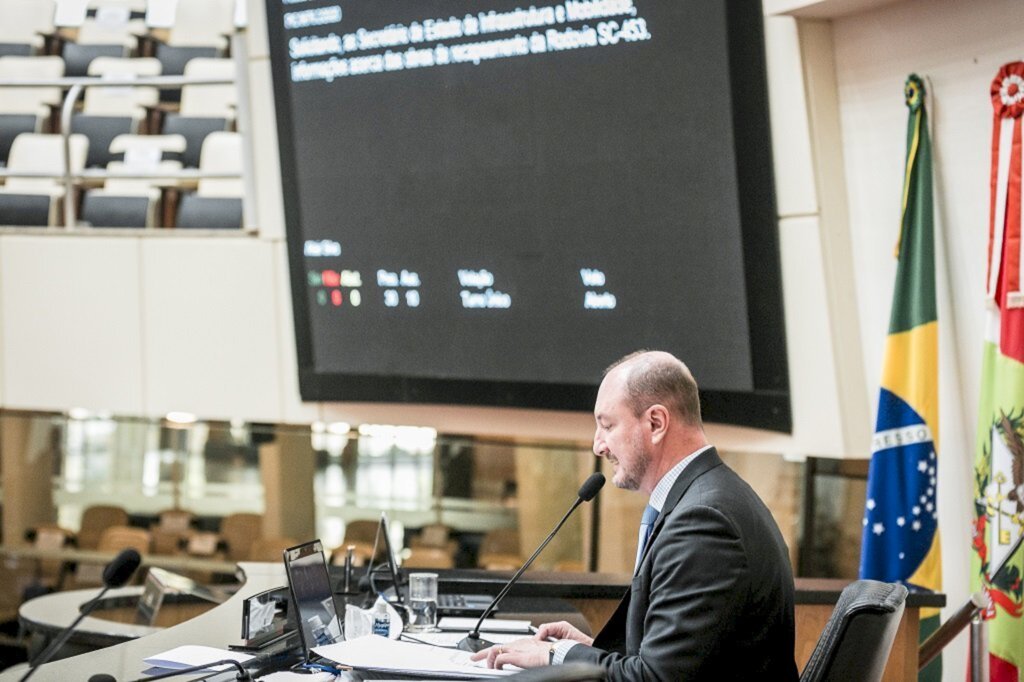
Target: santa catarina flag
[(900, 538), (999, 461)]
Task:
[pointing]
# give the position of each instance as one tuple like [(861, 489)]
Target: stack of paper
[(387, 655)]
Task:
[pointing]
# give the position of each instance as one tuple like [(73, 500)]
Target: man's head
[(648, 418)]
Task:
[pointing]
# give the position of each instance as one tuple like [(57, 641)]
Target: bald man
[(712, 591)]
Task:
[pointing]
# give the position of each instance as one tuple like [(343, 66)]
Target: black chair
[(855, 645), (12, 125), (101, 131), (194, 129), (214, 213), (29, 210), (173, 59), (77, 57), (100, 210)]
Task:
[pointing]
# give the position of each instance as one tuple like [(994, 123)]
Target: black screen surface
[(488, 202)]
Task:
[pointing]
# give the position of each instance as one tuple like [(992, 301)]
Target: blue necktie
[(646, 525)]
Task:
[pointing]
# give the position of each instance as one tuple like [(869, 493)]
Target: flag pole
[(970, 613)]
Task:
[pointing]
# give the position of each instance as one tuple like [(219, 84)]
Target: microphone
[(243, 674), (102, 677), (116, 574), (473, 642)]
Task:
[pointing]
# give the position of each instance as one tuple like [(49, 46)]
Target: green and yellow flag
[(901, 538)]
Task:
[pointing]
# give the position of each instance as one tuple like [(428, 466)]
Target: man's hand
[(562, 630), (522, 653)]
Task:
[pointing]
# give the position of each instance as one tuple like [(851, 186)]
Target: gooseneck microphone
[(473, 642), (116, 574), (243, 674)]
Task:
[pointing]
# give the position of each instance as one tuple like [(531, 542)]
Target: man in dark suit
[(712, 592)]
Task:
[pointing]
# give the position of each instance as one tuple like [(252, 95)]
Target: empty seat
[(132, 201), (211, 101), (24, 24), (78, 57), (239, 532), (270, 549), (217, 202), (173, 526), (429, 557), (110, 111), (95, 520), (24, 109), (499, 550), (36, 153), (202, 23), (194, 130)]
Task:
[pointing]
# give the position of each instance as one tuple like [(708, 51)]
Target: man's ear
[(657, 422)]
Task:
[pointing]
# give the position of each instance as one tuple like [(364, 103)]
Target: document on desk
[(381, 654), (191, 655)]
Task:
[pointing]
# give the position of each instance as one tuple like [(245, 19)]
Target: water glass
[(422, 602)]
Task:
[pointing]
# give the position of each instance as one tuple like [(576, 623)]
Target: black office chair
[(855, 645), (569, 672)]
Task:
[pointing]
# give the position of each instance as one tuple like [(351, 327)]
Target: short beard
[(641, 462)]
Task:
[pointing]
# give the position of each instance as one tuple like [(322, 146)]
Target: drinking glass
[(422, 602)]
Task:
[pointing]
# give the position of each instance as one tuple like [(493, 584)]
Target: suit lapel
[(705, 461)]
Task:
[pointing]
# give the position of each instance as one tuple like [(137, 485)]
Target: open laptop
[(316, 614), (465, 605)]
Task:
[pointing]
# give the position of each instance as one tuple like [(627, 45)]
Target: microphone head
[(121, 568), (102, 677), (591, 486)]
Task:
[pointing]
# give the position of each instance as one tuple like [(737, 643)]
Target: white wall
[(958, 46)]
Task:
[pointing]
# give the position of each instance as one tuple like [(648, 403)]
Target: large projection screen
[(488, 202)]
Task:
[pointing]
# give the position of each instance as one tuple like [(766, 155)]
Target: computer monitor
[(316, 614)]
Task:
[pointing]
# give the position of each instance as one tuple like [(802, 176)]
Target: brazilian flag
[(900, 537)]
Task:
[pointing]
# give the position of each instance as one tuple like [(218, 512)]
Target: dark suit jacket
[(713, 596)]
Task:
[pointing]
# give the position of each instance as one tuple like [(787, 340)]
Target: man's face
[(620, 435)]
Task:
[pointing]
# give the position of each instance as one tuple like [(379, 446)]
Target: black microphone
[(243, 674), (116, 574), (473, 642), (102, 677)]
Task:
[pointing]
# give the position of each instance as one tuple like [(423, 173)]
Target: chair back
[(855, 644), (32, 99), (239, 532), (116, 538), (217, 101), (97, 519), (270, 549), (429, 557)]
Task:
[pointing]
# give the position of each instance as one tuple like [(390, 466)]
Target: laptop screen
[(315, 612), (390, 562)]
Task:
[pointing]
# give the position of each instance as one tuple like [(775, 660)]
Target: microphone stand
[(56, 644), (473, 642)]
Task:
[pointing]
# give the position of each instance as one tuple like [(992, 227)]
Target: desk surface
[(91, 556), (221, 625)]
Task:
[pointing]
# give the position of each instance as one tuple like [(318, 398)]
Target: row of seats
[(177, 23), (126, 200), (436, 547), (108, 111)]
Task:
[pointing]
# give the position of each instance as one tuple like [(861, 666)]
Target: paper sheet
[(490, 625), (380, 653), (450, 639), (193, 654)]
